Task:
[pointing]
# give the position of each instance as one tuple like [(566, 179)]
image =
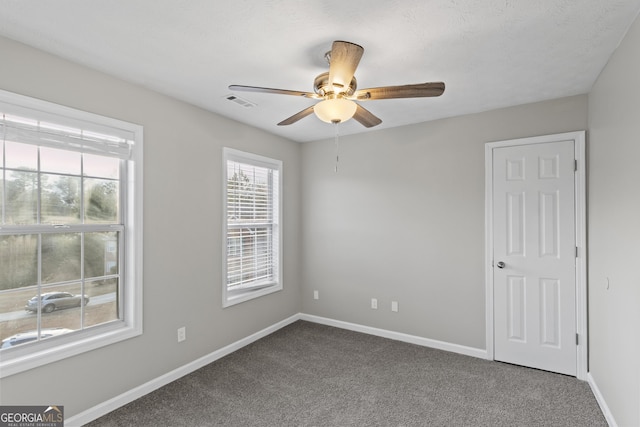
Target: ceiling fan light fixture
[(337, 90), (335, 110)]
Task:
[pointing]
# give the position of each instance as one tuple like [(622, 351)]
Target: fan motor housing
[(322, 87)]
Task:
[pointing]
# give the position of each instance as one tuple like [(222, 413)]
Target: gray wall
[(182, 233), (614, 231), (403, 220)]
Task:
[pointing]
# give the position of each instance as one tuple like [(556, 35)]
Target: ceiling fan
[(338, 90)]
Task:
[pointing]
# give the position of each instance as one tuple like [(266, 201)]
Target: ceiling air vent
[(240, 101)]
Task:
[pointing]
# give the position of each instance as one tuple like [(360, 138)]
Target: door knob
[(501, 264)]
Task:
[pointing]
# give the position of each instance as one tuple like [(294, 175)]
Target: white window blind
[(252, 216), (52, 132)]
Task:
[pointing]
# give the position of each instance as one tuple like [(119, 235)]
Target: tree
[(60, 198), (102, 201), (247, 199), (18, 261), (21, 197)]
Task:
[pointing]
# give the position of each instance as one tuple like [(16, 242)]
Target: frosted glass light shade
[(335, 110)]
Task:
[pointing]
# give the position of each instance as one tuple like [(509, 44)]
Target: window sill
[(18, 361), (236, 297)]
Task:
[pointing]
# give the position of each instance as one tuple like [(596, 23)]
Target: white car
[(25, 337)]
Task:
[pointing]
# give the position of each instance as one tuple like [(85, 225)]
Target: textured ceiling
[(490, 53)]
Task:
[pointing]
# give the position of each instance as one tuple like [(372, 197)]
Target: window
[(70, 232), (252, 217)]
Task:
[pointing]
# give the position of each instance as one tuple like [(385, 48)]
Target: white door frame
[(581, 238)]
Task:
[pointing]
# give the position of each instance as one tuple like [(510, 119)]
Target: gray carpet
[(313, 375)]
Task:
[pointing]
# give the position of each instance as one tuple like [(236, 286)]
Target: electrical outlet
[(374, 303), (394, 306), (316, 295), (182, 334)]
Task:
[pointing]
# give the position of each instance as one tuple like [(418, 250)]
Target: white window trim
[(235, 297), (58, 348)]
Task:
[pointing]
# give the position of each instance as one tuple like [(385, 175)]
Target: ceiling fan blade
[(300, 115), (366, 117), (241, 88), (405, 91), (344, 60)]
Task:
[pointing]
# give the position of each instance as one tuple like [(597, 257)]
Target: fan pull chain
[(337, 147)]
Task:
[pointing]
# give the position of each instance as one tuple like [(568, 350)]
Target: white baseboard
[(398, 336), (601, 402), (146, 388)]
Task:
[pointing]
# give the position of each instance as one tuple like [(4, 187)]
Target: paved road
[(14, 315)]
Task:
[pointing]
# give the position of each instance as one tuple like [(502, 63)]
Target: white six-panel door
[(534, 259)]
